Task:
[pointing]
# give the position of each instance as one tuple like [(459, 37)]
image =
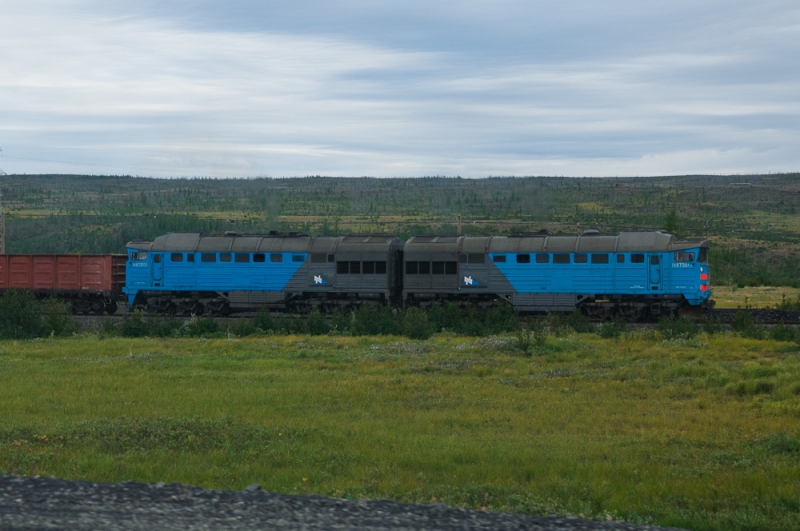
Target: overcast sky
[(247, 88)]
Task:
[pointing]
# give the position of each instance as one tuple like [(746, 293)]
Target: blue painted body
[(158, 272), (666, 277)]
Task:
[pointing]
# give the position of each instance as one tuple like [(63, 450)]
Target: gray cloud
[(468, 88)]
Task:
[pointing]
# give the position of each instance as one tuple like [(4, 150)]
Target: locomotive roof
[(197, 242), (653, 241)]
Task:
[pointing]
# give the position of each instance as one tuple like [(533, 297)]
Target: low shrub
[(317, 325), (416, 324), (578, 322), (264, 321), (200, 327), (20, 316), (744, 325), (783, 332), (375, 320), (241, 327), (612, 329), (682, 327), (57, 318), (713, 326), (133, 325)]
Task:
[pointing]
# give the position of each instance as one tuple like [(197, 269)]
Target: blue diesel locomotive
[(632, 274)]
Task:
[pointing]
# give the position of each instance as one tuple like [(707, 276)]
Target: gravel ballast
[(28, 503)]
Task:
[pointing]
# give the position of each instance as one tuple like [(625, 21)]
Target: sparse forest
[(753, 221)]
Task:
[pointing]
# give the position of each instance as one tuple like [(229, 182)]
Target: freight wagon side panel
[(96, 273), (69, 273), (3, 271), (19, 272), (44, 272)]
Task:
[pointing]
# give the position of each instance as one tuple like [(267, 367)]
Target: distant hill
[(753, 220)]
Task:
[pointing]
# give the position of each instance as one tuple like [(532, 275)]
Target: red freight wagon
[(92, 282)]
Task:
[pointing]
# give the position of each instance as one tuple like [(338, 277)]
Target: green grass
[(701, 433)]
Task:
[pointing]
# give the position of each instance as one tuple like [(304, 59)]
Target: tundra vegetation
[(753, 221), (685, 425), (677, 426)]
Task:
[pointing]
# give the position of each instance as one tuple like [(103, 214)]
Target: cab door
[(654, 272), (157, 269)]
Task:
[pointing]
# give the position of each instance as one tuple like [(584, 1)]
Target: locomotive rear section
[(633, 274), (187, 273)]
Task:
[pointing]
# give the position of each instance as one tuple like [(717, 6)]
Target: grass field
[(753, 297), (701, 433)]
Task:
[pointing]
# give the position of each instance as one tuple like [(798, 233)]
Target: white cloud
[(88, 92)]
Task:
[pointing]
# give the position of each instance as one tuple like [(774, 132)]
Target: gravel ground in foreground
[(47, 503)]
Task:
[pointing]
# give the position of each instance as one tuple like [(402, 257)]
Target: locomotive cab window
[(523, 259), (560, 258), (499, 258), (176, 257), (637, 258), (681, 256), (242, 258), (190, 257), (298, 258), (653, 260), (276, 257), (580, 258), (259, 257), (542, 258), (157, 258), (703, 255), (208, 257), (600, 258), (476, 258), (224, 257)]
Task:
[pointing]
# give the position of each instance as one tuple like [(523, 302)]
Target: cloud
[(519, 88)]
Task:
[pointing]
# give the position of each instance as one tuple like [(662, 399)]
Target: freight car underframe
[(224, 303), (631, 307)]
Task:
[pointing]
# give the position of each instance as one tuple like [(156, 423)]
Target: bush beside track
[(24, 317)]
